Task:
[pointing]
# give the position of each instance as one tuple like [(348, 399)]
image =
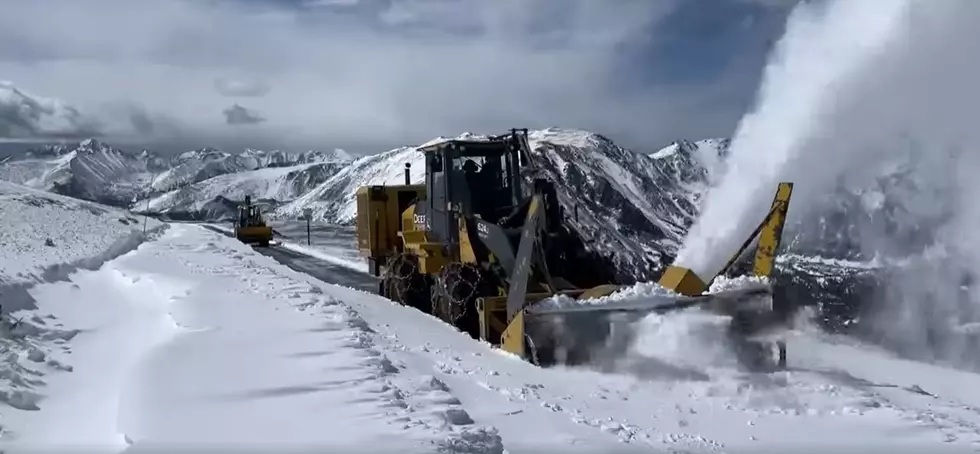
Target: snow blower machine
[(250, 227), (478, 248)]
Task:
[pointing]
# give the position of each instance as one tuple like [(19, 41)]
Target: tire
[(454, 296), (403, 284)]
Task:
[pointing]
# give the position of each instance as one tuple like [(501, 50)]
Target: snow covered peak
[(558, 136), (90, 144), (278, 158), (340, 155), (703, 157), (705, 151), (463, 136), (312, 156), (201, 154), (570, 137)]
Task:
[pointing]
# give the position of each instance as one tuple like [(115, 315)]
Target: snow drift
[(45, 238)]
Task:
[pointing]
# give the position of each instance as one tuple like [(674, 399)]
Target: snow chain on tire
[(455, 290), (399, 276)]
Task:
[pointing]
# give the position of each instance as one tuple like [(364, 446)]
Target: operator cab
[(474, 178), (249, 215)]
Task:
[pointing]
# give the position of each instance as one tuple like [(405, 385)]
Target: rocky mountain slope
[(217, 197), (199, 165), (89, 170), (637, 206), (198, 184), (332, 200)]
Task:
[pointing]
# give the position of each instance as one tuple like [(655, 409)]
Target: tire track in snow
[(852, 364), (578, 411), (555, 417), (552, 418), (415, 404), (917, 406)]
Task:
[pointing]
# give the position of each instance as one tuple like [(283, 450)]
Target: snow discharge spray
[(825, 48), (851, 87)]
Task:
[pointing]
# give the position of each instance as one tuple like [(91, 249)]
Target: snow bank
[(195, 340), (44, 238)]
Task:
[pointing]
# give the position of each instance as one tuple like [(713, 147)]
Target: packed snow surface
[(195, 340)]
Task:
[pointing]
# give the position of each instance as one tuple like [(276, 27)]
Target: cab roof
[(476, 146)]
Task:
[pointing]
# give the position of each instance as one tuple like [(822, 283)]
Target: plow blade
[(580, 332), (254, 235)]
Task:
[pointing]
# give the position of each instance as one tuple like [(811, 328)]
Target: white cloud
[(239, 87), (349, 73), (24, 116)]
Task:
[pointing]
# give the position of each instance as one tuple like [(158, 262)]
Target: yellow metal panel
[(380, 210), (512, 339), (408, 218), (254, 232), (492, 312), (772, 232), (682, 280), (413, 238), (495, 303), (431, 264), (466, 253), (363, 222), (392, 218)]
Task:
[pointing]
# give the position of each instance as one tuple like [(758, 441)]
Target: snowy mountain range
[(198, 184), (637, 206)]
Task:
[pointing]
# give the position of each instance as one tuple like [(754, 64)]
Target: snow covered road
[(196, 340)]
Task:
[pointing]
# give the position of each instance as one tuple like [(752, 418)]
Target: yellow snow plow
[(585, 328), (475, 248), (250, 227)]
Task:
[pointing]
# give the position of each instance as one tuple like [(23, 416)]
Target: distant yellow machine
[(476, 248), (250, 228)]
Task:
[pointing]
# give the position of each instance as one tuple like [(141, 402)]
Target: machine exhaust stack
[(408, 173)]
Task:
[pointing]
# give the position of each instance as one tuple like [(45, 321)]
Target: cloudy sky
[(367, 75)]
